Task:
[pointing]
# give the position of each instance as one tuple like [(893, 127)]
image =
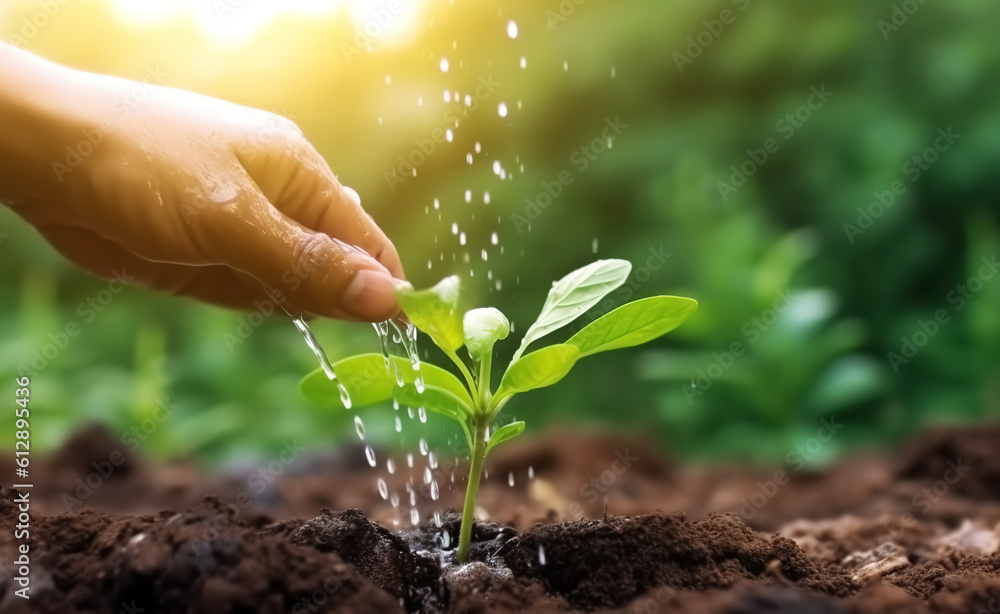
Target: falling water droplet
[(383, 489), (461, 239), (541, 554), (324, 362), (468, 196), (435, 491), (422, 414), (390, 466), (394, 500), (486, 197), (512, 29), (445, 540), (593, 245), (524, 62), (449, 135), (454, 228), (484, 255), (494, 239), (468, 158), (565, 65), (510, 479), (437, 204), (444, 64), (359, 427), (414, 516), (427, 475), (479, 147), (423, 447), (432, 460), (370, 455), (502, 109), (409, 460), (382, 332)]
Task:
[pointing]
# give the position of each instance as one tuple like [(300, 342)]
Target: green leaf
[(573, 295), (435, 312), (366, 381), (483, 328), (537, 370), (437, 400), (504, 433), (633, 324)]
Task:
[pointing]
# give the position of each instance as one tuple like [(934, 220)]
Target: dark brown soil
[(915, 532)]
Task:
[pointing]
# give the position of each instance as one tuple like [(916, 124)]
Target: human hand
[(193, 196)]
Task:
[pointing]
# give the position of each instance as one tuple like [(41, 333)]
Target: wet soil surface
[(601, 524)]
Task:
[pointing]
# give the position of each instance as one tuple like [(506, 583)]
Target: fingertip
[(370, 296)]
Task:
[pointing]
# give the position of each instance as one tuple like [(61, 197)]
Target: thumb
[(307, 271)]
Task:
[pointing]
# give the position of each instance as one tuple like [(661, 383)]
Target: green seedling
[(472, 401)]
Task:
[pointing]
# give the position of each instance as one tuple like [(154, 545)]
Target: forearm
[(38, 115)]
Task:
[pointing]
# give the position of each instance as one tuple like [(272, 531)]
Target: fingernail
[(371, 296)]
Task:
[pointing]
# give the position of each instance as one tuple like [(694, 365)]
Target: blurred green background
[(815, 308)]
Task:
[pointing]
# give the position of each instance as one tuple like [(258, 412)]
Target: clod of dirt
[(606, 563), (379, 555), (202, 561)]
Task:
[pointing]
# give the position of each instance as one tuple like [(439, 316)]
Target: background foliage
[(778, 242)]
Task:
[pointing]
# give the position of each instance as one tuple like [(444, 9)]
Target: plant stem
[(484, 380), (475, 472), (469, 380)]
